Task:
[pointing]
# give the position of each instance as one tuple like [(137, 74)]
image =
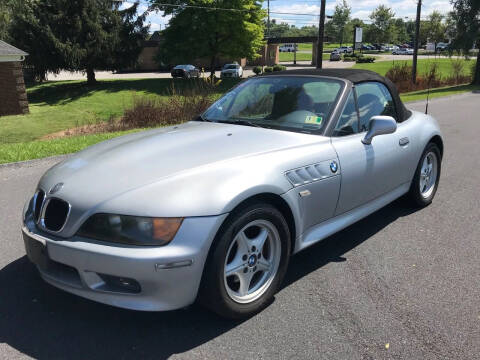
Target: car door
[(368, 171)]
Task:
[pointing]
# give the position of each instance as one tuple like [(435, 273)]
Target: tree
[(435, 28), (339, 21), (467, 16), (349, 30), (450, 26), (204, 31), (83, 35), (382, 27), (401, 35), (5, 19), (283, 30)]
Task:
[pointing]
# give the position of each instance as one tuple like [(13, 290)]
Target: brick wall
[(268, 56), (13, 97)]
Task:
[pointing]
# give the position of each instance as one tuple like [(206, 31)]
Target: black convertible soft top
[(356, 76)]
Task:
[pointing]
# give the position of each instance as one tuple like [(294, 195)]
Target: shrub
[(278, 67), (257, 70), (401, 76), (348, 58), (365, 59), (473, 69), (176, 108), (399, 72), (432, 76), (457, 69), (268, 69)]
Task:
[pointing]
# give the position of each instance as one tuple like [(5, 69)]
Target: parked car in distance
[(441, 46), (212, 209), (344, 49), (335, 56), (185, 71), (288, 48), (231, 70), (402, 51)]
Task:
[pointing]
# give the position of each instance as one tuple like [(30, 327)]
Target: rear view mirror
[(379, 125)]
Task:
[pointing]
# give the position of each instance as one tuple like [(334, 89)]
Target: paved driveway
[(409, 279)]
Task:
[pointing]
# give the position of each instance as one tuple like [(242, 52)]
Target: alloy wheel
[(252, 261), (428, 174)]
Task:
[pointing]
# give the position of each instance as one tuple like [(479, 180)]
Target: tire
[(230, 295), (429, 184)]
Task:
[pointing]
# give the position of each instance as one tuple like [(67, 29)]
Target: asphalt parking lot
[(400, 284)]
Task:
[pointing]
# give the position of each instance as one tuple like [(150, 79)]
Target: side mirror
[(379, 125)]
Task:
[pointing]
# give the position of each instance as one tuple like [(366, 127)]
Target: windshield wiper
[(201, 118), (242, 122)]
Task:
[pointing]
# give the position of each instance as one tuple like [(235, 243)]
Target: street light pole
[(321, 31), (268, 19), (415, 45)]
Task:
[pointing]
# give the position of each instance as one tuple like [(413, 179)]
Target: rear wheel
[(427, 176), (247, 262)]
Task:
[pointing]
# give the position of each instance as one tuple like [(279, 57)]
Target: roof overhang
[(9, 58)]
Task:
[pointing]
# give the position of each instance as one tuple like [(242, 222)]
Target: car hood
[(126, 163)]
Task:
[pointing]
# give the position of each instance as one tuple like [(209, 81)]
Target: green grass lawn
[(56, 106), (444, 65), (288, 56), (40, 149), (326, 46), (438, 92), (305, 47)]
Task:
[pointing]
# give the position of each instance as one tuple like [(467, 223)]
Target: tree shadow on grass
[(46, 323), (63, 92)]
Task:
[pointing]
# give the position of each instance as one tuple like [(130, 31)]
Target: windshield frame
[(339, 99)]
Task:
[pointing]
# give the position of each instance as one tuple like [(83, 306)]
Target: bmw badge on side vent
[(334, 166)]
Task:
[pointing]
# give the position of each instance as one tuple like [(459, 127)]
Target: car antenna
[(428, 94)]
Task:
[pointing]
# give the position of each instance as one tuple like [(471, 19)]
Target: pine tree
[(84, 35)]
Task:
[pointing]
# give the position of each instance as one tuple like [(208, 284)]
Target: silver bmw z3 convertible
[(213, 209)]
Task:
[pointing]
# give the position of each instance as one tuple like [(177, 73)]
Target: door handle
[(403, 141)]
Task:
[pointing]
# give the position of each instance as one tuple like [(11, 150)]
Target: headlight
[(130, 230)]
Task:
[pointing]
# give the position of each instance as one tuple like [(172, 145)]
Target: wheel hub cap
[(252, 260)]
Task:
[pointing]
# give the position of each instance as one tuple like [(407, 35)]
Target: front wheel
[(247, 262), (427, 176)]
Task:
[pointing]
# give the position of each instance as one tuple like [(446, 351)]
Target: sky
[(361, 9)]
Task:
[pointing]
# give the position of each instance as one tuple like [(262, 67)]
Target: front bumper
[(229, 75), (137, 278)]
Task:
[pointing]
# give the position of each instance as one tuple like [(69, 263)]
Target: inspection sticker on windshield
[(317, 120)]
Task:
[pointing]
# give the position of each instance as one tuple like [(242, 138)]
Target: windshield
[(228, 67), (300, 104)]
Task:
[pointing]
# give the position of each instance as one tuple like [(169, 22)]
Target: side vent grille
[(310, 173)]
